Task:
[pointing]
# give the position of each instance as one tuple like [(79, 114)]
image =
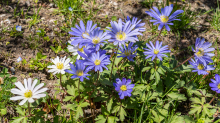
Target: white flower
[(19, 59), (60, 65), (74, 49), (28, 91)]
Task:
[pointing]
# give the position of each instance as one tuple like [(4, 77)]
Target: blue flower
[(200, 67), (97, 38), (202, 51), (96, 61), (123, 33), (19, 59), (70, 9), (164, 18), (18, 28), (79, 31), (137, 23), (215, 86), (156, 51), (78, 71), (128, 51), (123, 87)]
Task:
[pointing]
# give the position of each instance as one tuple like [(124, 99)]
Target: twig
[(213, 98)]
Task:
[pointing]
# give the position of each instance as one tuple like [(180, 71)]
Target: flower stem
[(91, 108), (61, 87), (29, 109), (113, 63), (213, 98), (78, 89), (184, 62), (159, 33)]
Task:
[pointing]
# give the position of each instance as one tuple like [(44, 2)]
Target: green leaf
[(101, 119), (122, 114), (17, 119), (3, 111), (112, 119), (196, 100), (79, 112), (177, 96), (13, 79), (84, 104), (157, 77), (104, 111), (20, 111), (71, 90), (109, 104), (197, 108), (145, 69), (5, 70), (116, 109)]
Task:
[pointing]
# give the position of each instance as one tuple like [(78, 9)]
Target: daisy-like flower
[(199, 67), (70, 9), (61, 64), (19, 59), (164, 18), (123, 87), (123, 33), (74, 49), (156, 51), (215, 85), (97, 38), (96, 61), (128, 51), (18, 28), (137, 23), (79, 31), (78, 71), (28, 92), (202, 51)]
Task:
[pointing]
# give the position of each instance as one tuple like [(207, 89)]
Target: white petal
[(33, 85), (30, 100), (16, 91), (29, 83), (25, 84), (23, 101), (52, 70), (40, 91), (52, 66), (62, 72), (38, 87), (39, 96), (17, 98), (20, 86)]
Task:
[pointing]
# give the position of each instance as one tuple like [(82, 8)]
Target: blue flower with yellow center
[(215, 85), (78, 71), (124, 87), (80, 31), (156, 51), (123, 33), (128, 52), (137, 23), (164, 18), (199, 67)]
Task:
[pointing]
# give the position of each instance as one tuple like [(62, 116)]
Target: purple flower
[(123, 87), (202, 51), (97, 38), (123, 33), (128, 51), (137, 23), (200, 67), (70, 9), (164, 18), (79, 31), (78, 71), (215, 86), (96, 61), (156, 51)]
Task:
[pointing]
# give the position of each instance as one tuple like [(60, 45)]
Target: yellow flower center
[(97, 62), (164, 19), (79, 72), (126, 45), (219, 86), (86, 34), (156, 51), (28, 94), (59, 65), (127, 52), (200, 52), (120, 36), (81, 49), (123, 88), (200, 67), (96, 40)]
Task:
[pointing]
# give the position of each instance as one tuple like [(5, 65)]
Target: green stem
[(184, 62), (159, 33), (113, 63), (29, 109)]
